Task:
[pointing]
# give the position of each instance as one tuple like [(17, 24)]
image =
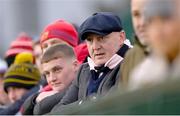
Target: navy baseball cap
[(102, 23)]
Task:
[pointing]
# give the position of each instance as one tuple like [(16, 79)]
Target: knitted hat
[(22, 74), (60, 29), (81, 52), (23, 43)]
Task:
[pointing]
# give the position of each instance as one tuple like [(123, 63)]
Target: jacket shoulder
[(28, 105), (46, 105)]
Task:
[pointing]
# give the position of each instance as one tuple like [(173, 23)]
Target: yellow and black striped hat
[(23, 73)]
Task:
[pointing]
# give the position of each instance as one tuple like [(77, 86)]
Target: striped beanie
[(22, 73), (23, 43)]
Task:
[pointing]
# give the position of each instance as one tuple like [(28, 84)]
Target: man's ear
[(76, 65), (123, 35)]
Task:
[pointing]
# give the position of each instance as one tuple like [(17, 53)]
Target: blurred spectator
[(105, 38), (59, 32), (4, 101), (162, 18), (21, 76), (38, 54), (139, 51), (60, 67), (23, 43)]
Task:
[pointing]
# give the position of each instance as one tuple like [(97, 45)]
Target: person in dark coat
[(105, 38)]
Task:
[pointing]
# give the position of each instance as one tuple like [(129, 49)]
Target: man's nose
[(142, 22), (52, 77), (12, 96), (95, 44)]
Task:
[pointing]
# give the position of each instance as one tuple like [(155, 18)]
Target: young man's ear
[(76, 65)]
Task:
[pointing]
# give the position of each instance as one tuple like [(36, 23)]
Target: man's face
[(138, 21), (3, 96), (102, 48), (164, 35), (59, 73), (15, 94), (48, 43)]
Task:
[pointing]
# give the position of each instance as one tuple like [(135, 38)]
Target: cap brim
[(85, 33)]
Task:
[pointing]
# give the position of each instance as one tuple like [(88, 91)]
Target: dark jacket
[(78, 90), (30, 107), (46, 105)]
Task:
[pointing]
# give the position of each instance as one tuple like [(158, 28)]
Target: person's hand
[(43, 95)]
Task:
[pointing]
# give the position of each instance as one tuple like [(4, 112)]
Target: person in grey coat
[(104, 35)]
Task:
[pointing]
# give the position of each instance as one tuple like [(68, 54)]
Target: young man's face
[(46, 44), (59, 73), (138, 21), (15, 94), (101, 49), (164, 35)]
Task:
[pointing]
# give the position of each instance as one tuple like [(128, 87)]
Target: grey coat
[(78, 89), (47, 104), (30, 107)]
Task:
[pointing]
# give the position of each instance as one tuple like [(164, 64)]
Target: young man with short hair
[(59, 65)]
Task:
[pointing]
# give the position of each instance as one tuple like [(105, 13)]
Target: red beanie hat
[(60, 29), (23, 43), (81, 52)]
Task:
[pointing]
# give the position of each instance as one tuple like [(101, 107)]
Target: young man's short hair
[(58, 51)]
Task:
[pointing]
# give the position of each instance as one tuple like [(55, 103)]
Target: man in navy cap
[(105, 37)]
